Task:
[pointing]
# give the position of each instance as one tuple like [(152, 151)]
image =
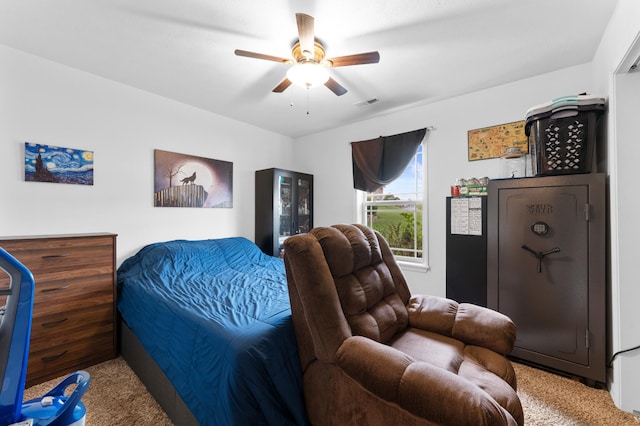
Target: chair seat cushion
[(437, 349), (484, 368)]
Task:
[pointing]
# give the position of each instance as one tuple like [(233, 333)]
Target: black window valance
[(377, 162)]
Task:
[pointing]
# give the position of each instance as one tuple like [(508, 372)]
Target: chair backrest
[(343, 281)]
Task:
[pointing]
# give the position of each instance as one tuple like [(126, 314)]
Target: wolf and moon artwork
[(188, 181), (44, 163)]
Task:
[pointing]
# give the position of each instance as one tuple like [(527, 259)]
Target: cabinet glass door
[(285, 198), (303, 222)]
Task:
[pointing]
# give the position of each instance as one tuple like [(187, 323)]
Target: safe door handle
[(553, 250), (540, 254)]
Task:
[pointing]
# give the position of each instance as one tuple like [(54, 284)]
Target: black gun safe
[(546, 269)]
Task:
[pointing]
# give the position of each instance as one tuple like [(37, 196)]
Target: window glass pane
[(410, 184), (396, 212), (401, 225)]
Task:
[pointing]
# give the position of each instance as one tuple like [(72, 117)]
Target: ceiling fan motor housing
[(316, 56)]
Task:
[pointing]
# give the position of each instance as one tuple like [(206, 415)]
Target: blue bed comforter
[(216, 318)]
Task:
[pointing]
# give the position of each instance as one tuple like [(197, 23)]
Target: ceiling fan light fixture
[(308, 74), (309, 65)]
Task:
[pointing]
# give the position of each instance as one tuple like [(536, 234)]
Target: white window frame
[(410, 263)]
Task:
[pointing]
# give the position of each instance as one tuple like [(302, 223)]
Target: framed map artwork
[(491, 142)]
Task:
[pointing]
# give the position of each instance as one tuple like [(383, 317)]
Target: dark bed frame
[(153, 378)]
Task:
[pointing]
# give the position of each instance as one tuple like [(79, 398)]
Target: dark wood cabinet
[(284, 207), (547, 269), (74, 312)]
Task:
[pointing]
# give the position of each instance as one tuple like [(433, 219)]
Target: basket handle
[(65, 413), (563, 113)]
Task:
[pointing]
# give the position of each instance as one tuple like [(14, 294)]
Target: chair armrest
[(472, 324), (421, 388)]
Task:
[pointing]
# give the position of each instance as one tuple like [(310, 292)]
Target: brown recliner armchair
[(371, 353)]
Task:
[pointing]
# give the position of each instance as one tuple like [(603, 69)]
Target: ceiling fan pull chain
[(307, 100)]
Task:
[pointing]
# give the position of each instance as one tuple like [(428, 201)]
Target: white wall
[(328, 155), (44, 102), (621, 43), (628, 281)]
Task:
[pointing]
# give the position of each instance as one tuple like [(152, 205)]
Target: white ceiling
[(429, 49)]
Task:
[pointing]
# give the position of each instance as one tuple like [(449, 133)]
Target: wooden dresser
[(74, 312)]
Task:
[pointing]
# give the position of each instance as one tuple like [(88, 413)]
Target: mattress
[(215, 316)]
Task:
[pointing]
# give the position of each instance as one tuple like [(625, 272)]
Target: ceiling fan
[(309, 65)]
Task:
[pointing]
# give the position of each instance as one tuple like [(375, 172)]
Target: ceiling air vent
[(367, 103)]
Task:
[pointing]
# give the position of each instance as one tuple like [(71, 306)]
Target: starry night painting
[(44, 163), (188, 181)]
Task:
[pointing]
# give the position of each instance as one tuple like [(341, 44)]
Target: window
[(396, 211)]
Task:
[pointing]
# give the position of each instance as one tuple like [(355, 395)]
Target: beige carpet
[(116, 397), (550, 399)]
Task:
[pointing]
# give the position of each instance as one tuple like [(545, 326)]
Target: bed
[(214, 317)]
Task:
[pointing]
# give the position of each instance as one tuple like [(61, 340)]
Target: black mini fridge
[(466, 249), (546, 269)]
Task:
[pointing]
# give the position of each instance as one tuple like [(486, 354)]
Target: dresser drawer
[(63, 258), (67, 327), (55, 361), (58, 296)]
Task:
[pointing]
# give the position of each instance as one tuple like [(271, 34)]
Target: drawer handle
[(46, 290), (53, 256), (52, 323), (53, 357)]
